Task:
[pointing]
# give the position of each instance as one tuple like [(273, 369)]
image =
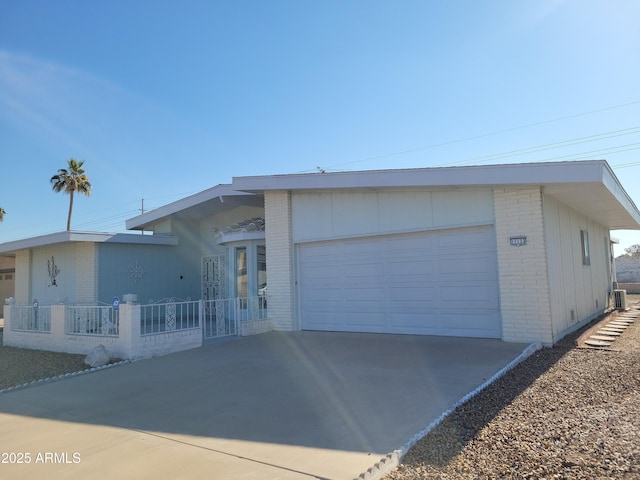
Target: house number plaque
[(518, 241)]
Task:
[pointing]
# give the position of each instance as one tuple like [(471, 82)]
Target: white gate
[(218, 319)]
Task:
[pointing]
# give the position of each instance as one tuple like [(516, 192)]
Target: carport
[(278, 405)]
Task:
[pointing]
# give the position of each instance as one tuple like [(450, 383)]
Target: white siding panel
[(42, 287), (402, 284), (330, 215), (574, 287), (459, 207)]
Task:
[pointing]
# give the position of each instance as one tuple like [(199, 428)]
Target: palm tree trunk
[(70, 210)]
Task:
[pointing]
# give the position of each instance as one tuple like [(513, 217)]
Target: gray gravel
[(20, 365), (565, 412)]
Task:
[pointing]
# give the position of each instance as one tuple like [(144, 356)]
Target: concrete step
[(611, 333), (604, 338)]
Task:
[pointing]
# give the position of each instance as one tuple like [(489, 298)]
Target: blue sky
[(162, 99)]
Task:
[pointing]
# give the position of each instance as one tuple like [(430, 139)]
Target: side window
[(241, 272), (584, 240), (261, 257)]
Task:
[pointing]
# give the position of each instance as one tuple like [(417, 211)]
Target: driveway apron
[(280, 405)]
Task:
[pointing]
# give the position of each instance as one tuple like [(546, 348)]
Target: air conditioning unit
[(620, 299)]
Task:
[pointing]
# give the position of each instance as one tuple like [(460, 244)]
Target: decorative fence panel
[(31, 319), (169, 317), (92, 320)]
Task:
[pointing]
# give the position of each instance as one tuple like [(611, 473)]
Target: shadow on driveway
[(318, 404)]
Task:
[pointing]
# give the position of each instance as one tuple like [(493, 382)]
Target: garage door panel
[(325, 320), (438, 283), (361, 321), (473, 296), (459, 321), (325, 297), (409, 267), (466, 264), (462, 241), (414, 293), (414, 323)]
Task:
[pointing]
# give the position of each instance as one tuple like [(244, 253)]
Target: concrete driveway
[(275, 406)]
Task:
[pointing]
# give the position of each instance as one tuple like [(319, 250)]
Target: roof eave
[(94, 237)]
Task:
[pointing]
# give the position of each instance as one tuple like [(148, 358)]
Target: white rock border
[(393, 459), (61, 376)]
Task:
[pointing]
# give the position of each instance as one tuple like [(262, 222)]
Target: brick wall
[(277, 206), (524, 287)]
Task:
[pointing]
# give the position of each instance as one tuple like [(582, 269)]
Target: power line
[(484, 135), (550, 146)]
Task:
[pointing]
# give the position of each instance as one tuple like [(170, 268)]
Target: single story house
[(518, 252)]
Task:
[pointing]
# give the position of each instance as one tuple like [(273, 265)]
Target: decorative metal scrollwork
[(53, 272)]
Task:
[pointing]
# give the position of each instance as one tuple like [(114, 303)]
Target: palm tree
[(2, 213), (69, 181)]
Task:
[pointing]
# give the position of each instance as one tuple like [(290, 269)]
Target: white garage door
[(435, 283)]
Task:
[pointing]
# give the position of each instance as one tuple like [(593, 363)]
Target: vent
[(620, 299)]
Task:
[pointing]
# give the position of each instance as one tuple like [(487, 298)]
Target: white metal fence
[(169, 316), (134, 330), (91, 320), (32, 319), (219, 318), (222, 317), (251, 309)]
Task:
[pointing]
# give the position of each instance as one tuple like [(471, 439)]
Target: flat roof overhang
[(10, 248), (589, 186)]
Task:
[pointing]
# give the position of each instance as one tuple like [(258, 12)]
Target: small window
[(241, 272), (584, 240)]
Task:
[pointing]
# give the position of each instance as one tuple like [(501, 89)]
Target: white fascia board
[(483, 175), (95, 237), (153, 216), (612, 183)]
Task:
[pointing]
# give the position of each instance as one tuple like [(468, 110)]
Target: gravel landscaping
[(20, 365), (566, 412)]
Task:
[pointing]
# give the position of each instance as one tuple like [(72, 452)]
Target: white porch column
[(58, 327), (8, 316), (129, 331), (280, 297)]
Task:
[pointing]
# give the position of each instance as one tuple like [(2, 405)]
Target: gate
[(218, 312)]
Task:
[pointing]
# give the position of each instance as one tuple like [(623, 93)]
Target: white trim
[(588, 186), (95, 237), (239, 237), (590, 171)]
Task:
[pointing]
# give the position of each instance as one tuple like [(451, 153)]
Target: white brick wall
[(277, 206), (524, 287)]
